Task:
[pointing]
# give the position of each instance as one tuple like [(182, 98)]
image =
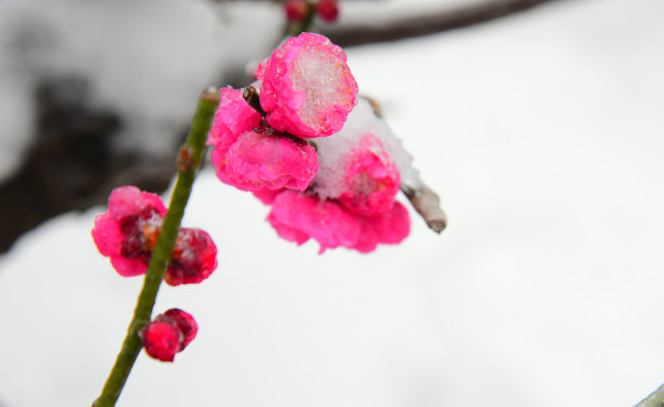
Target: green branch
[(188, 160), (296, 28)]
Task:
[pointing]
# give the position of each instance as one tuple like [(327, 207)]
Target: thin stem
[(250, 94), (188, 161), (296, 28), (655, 399)]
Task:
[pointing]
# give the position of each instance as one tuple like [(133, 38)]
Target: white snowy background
[(544, 135)]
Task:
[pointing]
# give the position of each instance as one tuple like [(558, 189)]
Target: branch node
[(250, 94)]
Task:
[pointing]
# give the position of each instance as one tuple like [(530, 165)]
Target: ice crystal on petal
[(351, 201), (372, 180), (333, 152), (307, 88)]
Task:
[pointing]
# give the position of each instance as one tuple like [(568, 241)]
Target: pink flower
[(390, 227), (194, 258), (128, 232), (168, 334), (372, 179), (232, 118), (297, 217), (260, 159), (307, 88)]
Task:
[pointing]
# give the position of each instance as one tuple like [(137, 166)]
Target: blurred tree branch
[(402, 27), (72, 162), (655, 399)]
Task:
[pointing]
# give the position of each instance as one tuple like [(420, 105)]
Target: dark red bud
[(161, 340), (328, 10), (296, 10)]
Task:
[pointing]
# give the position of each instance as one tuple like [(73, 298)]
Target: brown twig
[(424, 24), (655, 399), (427, 204)]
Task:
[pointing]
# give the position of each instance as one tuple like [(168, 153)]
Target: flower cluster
[(340, 193), (128, 233), (298, 10), (306, 91), (351, 202), (169, 333)]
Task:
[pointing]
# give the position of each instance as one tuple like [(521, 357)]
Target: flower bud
[(168, 334), (161, 340), (296, 10), (328, 10)]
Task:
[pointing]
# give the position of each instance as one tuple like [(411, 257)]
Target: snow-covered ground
[(543, 133)]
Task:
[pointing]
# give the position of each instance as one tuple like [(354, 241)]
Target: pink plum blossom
[(307, 88), (128, 234), (389, 227), (372, 179), (260, 159), (232, 118), (299, 216)]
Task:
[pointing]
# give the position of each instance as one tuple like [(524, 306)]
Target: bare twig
[(655, 399), (427, 204), (428, 23)]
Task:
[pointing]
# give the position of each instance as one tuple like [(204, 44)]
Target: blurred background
[(539, 123)]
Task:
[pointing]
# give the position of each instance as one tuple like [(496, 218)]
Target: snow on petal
[(307, 88), (372, 179)]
